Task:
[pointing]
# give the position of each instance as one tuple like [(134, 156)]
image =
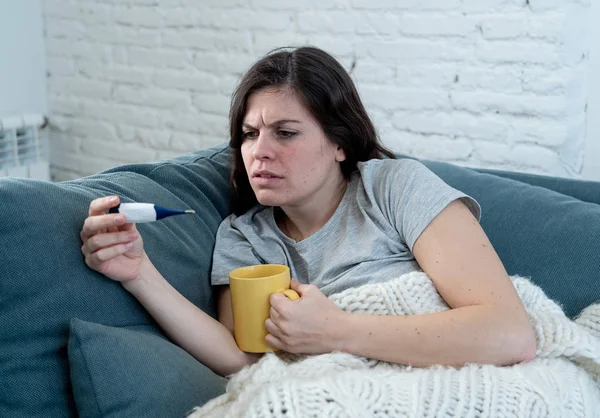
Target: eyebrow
[(276, 123)]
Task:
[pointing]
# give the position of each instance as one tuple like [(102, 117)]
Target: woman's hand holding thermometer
[(112, 246)]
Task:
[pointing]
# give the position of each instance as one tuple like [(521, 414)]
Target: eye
[(286, 134), (248, 134)]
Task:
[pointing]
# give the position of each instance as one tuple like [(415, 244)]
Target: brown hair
[(327, 92)]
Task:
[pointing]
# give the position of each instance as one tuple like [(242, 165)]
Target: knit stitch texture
[(563, 380)]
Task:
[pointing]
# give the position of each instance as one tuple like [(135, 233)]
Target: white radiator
[(24, 147)]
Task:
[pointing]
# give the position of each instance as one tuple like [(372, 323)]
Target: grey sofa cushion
[(134, 372), (44, 282), (551, 237)]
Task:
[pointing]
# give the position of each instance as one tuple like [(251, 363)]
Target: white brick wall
[(493, 83)]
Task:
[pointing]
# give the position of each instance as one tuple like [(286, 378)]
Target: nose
[(263, 148)]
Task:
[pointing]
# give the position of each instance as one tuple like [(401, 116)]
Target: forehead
[(271, 104)]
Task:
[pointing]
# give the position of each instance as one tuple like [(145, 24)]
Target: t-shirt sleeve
[(417, 196), (232, 250)]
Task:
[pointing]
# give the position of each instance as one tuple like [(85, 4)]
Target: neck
[(300, 222)]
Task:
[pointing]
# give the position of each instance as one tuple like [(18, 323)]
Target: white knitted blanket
[(563, 380)]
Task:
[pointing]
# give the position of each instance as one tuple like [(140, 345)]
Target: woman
[(311, 190)]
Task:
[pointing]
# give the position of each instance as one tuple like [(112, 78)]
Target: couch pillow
[(135, 372), (44, 281), (552, 238)]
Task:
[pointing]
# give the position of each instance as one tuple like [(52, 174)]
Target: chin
[(269, 199)]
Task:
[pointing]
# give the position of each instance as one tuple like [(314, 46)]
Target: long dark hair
[(327, 92)]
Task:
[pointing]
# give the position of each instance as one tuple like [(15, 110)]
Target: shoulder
[(396, 172), (255, 216)]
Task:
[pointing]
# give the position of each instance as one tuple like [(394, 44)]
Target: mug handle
[(291, 294)]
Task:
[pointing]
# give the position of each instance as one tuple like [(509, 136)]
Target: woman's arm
[(487, 323), (208, 340)]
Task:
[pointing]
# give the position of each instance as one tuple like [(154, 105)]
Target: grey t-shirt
[(369, 238)]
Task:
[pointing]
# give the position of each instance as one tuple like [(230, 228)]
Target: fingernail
[(112, 200), (120, 220)]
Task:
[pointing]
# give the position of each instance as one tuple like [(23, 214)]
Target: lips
[(265, 174)]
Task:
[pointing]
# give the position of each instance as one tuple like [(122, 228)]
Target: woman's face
[(288, 158)]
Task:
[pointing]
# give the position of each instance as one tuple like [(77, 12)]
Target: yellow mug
[(251, 287)]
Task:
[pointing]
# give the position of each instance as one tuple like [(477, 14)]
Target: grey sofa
[(73, 343)]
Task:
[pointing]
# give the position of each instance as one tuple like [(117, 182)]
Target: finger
[(277, 298), (94, 224), (275, 342), (94, 260), (298, 287), (274, 315), (109, 239), (273, 328), (102, 204)]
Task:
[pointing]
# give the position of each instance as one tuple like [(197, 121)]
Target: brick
[(370, 72), (207, 40), (181, 17), (500, 103), (212, 103), (487, 127), (64, 28), (297, 4), (118, 152), (407, 4), (511, 26), (117, 73), (61, 142), (434, 146), (185, 142), (61, 66), (266, 41), (79, 87), (138, 16), (426, 75), (127, 133), (67, 161), (199, 123), (546, 5), (61, 105), (542, 81), (491, 152), (337, 46), (537, 157), (244, 19), (227, 84), (86, 13), (158, 58), (488, 6), (506, 52), (547, 131), (342, 22), (81, 50), (153, 138), (427, 24), (548, 26), (392, 99), (86, 128), (137, 116), (505, 79), (152, 97), (187, 80), (223, 63), (416, 51)]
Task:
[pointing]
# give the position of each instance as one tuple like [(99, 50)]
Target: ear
[(340, 155)]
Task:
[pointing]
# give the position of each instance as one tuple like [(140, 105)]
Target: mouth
[(265, 177)]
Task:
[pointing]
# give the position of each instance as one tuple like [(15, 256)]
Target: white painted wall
[(493, 83), (591, 164), (22, 58)]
